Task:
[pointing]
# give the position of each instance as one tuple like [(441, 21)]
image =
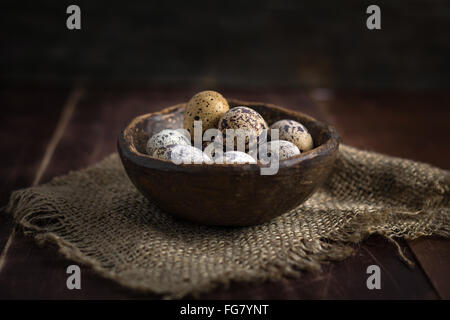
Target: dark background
[(257, 43), (65, 95)]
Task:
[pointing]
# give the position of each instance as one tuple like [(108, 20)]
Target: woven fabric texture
[(96, 217)]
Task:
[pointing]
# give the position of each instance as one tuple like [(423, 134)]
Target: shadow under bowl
[(226, 195)]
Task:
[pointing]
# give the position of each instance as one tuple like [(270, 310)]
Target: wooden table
[(43, 132)]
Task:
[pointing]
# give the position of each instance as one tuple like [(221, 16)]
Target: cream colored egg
[(165, 138), (181, 154), (294, 132), (207, 107), (281, 149), (235, 157)]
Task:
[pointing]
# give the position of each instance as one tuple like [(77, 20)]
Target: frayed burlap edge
[(32, 213), (337, 247)]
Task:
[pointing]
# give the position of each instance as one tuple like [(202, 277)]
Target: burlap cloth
[(96, 217)]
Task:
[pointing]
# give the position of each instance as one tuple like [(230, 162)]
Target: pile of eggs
[(212, 109)]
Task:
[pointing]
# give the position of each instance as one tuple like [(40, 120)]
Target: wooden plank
[(434, 256), (405, 125), (101, 114), (29, 116), (409, 125), (342, 280)]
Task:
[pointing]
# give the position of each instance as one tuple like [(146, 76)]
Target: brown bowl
[(226, 195)]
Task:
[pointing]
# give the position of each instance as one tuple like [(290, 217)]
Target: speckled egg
[(165, 138), (284, 149), (210, 147), (181, 154), (294, 132), (207, 107), (242, 118), (235, 157)]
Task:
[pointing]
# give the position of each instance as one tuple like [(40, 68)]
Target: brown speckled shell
[(207, 107), (243, 118), (294, 132), (286, 149), (165, 138)]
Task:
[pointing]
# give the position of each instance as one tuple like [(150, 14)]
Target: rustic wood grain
[(29, 117), (342, 280), (101, 115), (409, 125), (434, 257), (39, 272)]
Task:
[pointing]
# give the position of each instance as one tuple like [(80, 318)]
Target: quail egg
[(207, 107), (283, 149), (235, 157), (165, 138), (213, 149), (248, 120), (294, 132), (181, 154)]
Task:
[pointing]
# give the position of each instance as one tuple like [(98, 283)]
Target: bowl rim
[(128, 150)]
